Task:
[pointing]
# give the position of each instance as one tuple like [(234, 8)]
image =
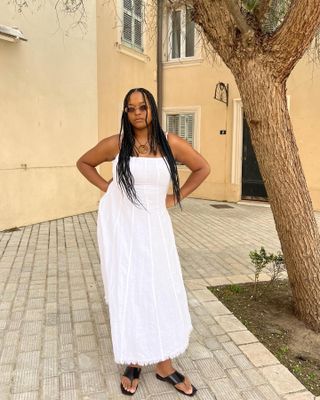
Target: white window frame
[(182, 38), (196, 110), (124, 42)]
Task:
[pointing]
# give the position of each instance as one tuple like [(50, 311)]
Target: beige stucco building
[(62, 92)]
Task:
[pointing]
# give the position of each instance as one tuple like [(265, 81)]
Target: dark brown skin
[(107, 149)]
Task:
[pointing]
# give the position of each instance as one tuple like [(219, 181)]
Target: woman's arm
[(186, 154), (105, 150)]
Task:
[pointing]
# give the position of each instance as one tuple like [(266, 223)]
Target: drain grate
[(11, 230), (220, 206)]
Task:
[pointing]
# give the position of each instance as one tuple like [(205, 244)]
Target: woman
[(149, 315)]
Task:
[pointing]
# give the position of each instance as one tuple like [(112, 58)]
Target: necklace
[(143, 148)]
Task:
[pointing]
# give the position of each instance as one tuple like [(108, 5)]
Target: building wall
[(121, 68), (49, 115), (191, 83), (304, 91)]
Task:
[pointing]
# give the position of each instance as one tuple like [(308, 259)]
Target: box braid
[(156, 137)]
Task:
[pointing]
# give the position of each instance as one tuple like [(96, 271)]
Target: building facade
[(63, 89)]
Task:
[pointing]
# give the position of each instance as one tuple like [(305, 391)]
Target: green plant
[(282, 351), (235, 288), (274, 263)]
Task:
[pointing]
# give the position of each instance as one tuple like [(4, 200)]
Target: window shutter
[(132, 22), (173, 123), (138, 33), (189, 128), (182, 125), (127, 27), (138, 8)]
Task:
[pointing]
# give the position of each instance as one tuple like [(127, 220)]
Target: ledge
[(181, 62), (131, 52)]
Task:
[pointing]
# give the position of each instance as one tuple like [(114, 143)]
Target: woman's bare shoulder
[(111, 143)]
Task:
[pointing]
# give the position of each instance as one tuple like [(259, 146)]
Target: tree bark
[(264, 102), (261, 67)]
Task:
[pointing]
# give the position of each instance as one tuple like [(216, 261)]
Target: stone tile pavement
[(54, 328)]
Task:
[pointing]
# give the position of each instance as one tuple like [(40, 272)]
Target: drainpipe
[(159, 58)]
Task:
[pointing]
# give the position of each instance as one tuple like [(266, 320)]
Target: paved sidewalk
[(54, 327)]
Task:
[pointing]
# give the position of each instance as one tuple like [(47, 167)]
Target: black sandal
[(175, 378), (131, 373)]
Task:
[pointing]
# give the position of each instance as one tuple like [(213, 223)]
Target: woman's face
[(138, 110)]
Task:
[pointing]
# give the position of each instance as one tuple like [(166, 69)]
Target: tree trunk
[(265, 107)]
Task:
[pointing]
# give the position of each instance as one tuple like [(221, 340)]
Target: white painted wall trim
[(237, 137)]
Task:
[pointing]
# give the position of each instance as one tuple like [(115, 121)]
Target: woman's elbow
[(207, 169)]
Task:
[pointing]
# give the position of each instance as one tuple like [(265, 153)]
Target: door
[(252, 183)]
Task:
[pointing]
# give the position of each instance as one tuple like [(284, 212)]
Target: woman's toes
[(134, 385), (126, 383), (185, 386)]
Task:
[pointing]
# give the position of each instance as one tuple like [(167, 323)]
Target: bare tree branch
[(303, 18), (240, 20), (217, 24)]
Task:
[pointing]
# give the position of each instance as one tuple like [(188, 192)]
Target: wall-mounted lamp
[(11, 34), (221, 92)]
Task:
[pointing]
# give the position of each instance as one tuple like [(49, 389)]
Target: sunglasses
[(131, 109)]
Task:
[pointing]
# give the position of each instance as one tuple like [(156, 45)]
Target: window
[(182, 125), (181, 34), (132, 23)]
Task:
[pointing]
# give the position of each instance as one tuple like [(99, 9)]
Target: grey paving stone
[(89, 360), (224, 389), (224, 358), (91, 381), (67, 381), (254, 376), (28, 360), (50, 389), (238, 378), (230, 323), (231, 348), (210, 368), (197, 351), (212, 343), (268, 392), (49, 367), (281, 379), (25, 396), (249, 394), (242, 337), (304, 395), (258, 354), (69, 395), (25, 380), (54, 324), (242, 361)]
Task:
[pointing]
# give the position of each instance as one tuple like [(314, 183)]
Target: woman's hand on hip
[(170, 200)]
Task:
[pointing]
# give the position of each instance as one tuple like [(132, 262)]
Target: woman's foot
[(130, 385), (165, 368)]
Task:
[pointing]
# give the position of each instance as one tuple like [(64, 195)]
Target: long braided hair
[(156, 138)]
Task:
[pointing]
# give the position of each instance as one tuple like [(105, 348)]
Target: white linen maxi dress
[(141, 272)]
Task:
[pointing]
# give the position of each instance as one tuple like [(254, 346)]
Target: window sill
[(182, 62), (128, 51)]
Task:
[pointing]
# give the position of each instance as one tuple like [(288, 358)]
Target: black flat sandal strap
[(132, 372), (175, 378)]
